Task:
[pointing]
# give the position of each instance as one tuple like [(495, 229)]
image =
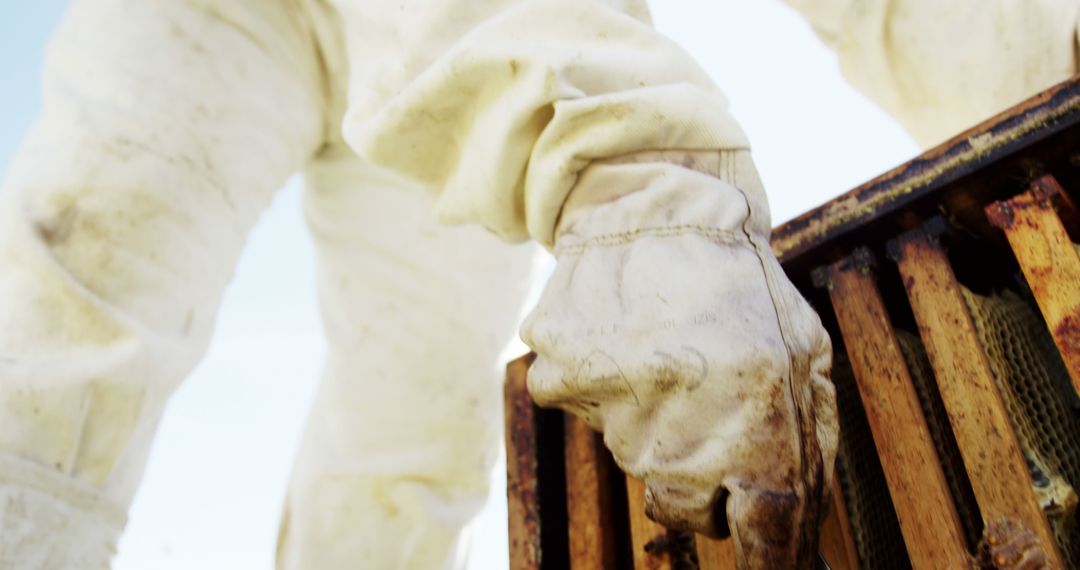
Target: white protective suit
[(168, 125)]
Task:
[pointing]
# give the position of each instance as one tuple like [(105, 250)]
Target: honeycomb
[(952, 464), (1035, 388), (875, 529)]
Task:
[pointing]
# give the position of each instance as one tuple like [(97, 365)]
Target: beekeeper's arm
[(941, 67), (667, 324), (165, 129)]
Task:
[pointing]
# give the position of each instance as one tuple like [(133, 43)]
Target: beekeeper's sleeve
[(166, 127), (667, 324), (940, 67)]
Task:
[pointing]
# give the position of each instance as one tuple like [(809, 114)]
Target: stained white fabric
[(168, 125), (120, 221), (404, 432), (504, 120), (669, 325), (940, 67), (40, 506), (123, 215)]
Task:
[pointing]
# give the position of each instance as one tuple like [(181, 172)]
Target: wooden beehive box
[(951, 288)]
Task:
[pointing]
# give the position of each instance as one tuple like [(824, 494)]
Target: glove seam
[(717, 235)]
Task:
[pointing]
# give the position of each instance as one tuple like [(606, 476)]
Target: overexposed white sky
[(217, 475)]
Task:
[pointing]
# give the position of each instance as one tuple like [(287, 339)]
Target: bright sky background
[(217, 475)]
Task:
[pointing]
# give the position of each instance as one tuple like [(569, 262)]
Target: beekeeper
[(168, 126)]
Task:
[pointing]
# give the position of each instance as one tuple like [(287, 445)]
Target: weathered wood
[(874, 207), (1050, 263), (992, 457), (644, 531), (924, 506), (837, 544), (715, 554), (588, 497), (522, 488)]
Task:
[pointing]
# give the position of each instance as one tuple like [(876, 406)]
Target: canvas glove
[(669, 326)]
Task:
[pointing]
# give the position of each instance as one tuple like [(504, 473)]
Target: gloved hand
[(669, 325)]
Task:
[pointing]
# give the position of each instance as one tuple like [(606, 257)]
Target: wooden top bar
[(1040, 133)]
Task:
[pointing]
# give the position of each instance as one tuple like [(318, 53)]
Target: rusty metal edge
[(1037, 118)]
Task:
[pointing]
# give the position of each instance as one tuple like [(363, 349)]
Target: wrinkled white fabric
[(403, 436), (524, 110), (502, 121), (941, 67), (669, 325), (168, 125), (120, 223), (39, 506)]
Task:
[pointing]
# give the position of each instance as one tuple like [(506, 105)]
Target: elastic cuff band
[(49, 521), (19, 472)]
